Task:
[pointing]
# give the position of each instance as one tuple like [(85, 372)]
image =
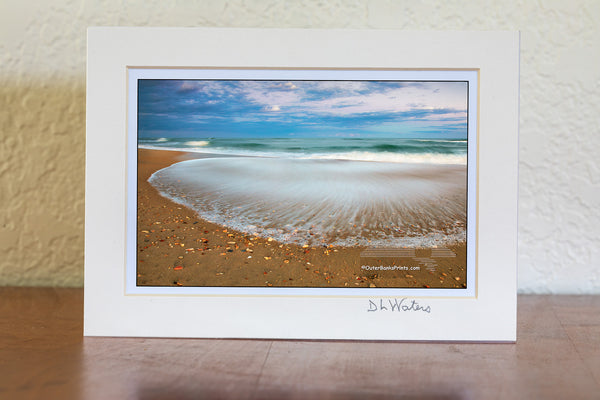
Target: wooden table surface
[(44, 356)]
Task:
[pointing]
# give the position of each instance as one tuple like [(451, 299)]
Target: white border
[(490, 315), (262, 74)]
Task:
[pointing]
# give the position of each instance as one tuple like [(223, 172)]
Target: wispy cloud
[(301, 107)]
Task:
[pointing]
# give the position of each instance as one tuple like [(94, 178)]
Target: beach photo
[(302, 183)]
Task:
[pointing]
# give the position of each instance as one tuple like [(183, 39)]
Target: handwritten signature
[(394, 305)]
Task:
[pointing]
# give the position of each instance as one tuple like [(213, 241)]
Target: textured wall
[(42, 117)]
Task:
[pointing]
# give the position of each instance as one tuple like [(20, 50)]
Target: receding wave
[(318, 201)]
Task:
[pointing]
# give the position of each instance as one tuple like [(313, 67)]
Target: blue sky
[(201, 108)]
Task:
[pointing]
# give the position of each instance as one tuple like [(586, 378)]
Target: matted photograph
[(301, 184), (314, 183)]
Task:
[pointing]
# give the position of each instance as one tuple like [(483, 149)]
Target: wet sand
[(177, 248)]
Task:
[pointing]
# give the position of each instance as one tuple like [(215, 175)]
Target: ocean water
[(428, 151), (324, 191)]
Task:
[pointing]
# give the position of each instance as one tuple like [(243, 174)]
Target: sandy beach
[(177, 248)]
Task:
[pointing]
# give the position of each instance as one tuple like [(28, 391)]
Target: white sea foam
[(420, 158), (162, 139), (150, 147), (321, 201), (198, 143), (387, 157)]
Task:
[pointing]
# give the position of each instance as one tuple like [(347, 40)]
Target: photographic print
[(243, 190), (302, 183)]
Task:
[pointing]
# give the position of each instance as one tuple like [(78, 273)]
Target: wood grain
[(43, 355)]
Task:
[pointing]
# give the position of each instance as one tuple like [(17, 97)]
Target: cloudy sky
[(200, 108)]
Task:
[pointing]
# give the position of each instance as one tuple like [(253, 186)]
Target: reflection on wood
[(43, 355)]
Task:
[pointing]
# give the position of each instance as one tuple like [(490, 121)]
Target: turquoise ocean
[(434, 151)]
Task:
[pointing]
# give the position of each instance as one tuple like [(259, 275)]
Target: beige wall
[(42, 118)]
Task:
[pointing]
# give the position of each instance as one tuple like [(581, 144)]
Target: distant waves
[(422, 151)]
